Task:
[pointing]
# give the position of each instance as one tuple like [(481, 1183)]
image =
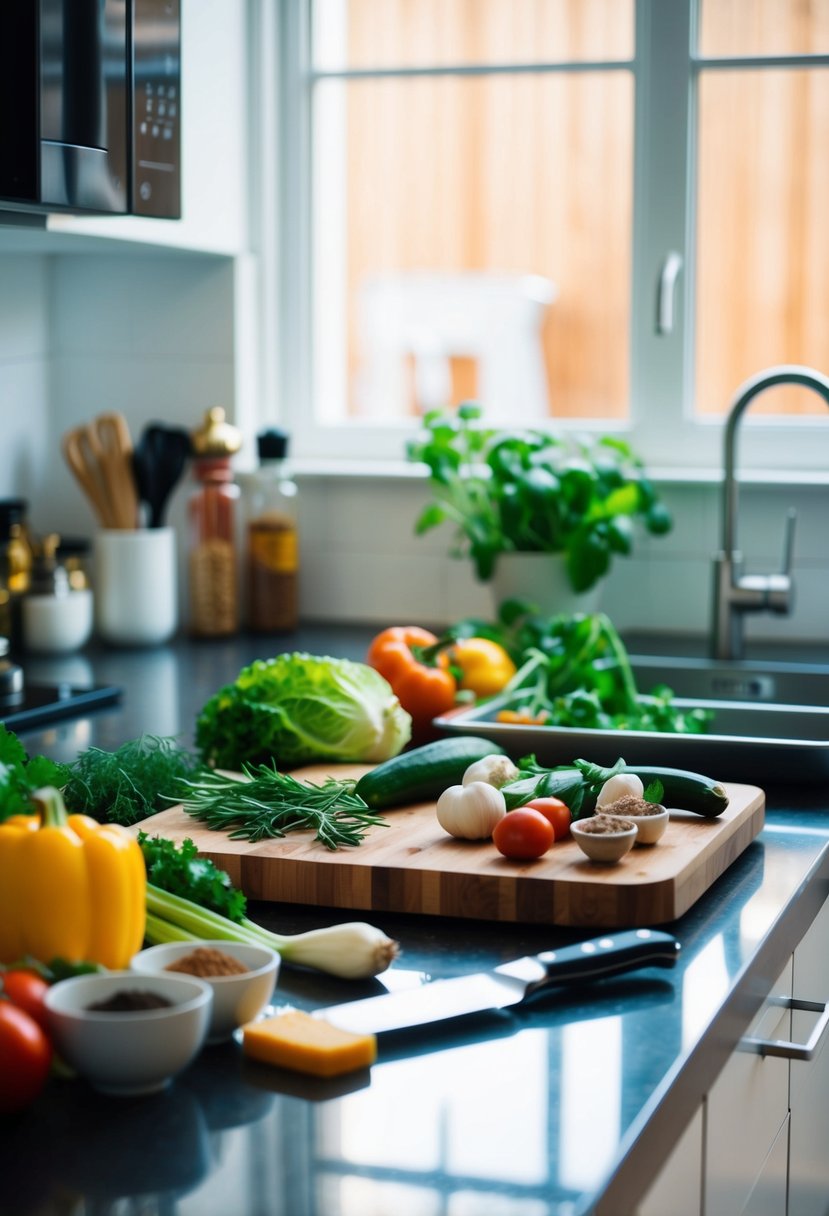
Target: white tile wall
[(153, 336), (24, 373)]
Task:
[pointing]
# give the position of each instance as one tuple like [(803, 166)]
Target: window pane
[(764, 27), (430, 33), (763, 240), (473, 239)]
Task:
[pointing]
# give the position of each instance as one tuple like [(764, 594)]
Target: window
[(584, 213)]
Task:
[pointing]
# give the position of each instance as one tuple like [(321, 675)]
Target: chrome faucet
[(735, 593)]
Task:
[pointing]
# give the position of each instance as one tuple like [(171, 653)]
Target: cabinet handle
[(793, 1051)]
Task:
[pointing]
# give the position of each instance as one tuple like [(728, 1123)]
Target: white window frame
[(661, 427)]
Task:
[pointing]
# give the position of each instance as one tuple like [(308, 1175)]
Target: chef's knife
[(506, 986)]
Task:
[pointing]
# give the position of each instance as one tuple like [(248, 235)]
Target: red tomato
[(557, 812), (26, 990), (25, 1058), (523, 834)]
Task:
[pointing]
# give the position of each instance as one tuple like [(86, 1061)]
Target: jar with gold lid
[(212, 523)]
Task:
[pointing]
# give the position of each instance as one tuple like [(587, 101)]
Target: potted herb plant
[(571, 502)]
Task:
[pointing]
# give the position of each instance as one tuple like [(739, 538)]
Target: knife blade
[(506, 986)]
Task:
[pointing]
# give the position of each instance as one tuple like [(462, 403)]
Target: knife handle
[(611, 954)]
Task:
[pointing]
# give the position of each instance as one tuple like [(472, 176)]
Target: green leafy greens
[(574, 670), (136, 780), (179, 870), (21, 774), (297, 708)]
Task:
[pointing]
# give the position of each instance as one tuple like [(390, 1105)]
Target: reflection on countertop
[(487, 1116)]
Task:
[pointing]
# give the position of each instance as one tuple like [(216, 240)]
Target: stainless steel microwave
[(90, 106)]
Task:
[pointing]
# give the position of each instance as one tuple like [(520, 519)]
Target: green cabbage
[(298, 708)]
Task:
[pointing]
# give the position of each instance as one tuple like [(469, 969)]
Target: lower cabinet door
[(809, 1163), (677, 1190), (744, 1111), (768, 1198)]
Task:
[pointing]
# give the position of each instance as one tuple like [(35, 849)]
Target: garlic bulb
[(471, 811), (617, 787), (495, 770)]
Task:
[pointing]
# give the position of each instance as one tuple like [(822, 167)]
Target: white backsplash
[(152, 335)]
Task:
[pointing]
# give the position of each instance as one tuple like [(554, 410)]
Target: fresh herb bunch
[(21, 774), (136, 780), (263, 803), (574, 670), (179, 870), (531, 491)]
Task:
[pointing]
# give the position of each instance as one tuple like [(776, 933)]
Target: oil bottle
[(272, 554)]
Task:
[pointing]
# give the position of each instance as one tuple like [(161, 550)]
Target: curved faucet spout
[(736, 594)]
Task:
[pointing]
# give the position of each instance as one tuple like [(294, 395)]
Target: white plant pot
[(542, 579)]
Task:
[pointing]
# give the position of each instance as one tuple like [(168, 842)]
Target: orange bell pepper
[(421, 681)]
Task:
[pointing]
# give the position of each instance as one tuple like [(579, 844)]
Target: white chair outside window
[(424, 320)]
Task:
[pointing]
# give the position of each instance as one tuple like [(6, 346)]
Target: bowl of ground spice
[(242, 977), (651, 818), (127, 1033), (604, 838)]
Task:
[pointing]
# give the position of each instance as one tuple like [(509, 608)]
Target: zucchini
[(422, 774), (684, 790)]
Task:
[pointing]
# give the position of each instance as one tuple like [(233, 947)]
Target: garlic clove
[(618, 786)]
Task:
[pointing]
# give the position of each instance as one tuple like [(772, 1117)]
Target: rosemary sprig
[(265, 803)]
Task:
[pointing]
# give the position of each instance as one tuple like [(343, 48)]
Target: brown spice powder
[(605, 825), (629, 804), (207, 961)]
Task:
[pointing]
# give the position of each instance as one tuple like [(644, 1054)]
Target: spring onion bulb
[(355, 950)]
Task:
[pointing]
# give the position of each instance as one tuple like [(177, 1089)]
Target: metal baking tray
[(746, 741)]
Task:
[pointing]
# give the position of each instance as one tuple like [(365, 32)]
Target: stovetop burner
[(40, 704), (31, 705)]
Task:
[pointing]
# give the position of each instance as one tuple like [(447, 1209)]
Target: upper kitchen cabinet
[(214, 119)]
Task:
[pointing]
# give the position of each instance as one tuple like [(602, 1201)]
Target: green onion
[(352, 951)]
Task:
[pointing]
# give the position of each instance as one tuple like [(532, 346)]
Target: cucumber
[(684, 790), (422, 774)]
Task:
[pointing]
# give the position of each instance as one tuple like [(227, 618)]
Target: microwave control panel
[(156, 161)]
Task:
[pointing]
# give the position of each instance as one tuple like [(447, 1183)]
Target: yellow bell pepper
[(70, 887), (484, 666)]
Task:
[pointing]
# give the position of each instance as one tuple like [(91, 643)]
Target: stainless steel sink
[(777, 682), (770, 723)]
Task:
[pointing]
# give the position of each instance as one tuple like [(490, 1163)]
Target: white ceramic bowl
[(650, 828), (603, 846), (237, 999), (131, 1052)]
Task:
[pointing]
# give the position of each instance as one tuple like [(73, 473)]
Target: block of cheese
[(294, 1039)]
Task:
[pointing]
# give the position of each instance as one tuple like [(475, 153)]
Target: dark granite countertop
[(567, 1109)]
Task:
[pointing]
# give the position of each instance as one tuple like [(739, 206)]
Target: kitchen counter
[(567, 1109)]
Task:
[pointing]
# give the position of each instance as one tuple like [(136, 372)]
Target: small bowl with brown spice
[(127, 1033), (242, 977), (651, 818), (603, 838)]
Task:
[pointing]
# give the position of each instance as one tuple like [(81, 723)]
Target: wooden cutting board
[(412, 865)]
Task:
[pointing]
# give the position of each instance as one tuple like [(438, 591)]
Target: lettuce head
[(301, 708)]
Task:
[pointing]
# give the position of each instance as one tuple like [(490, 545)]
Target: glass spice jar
[(212, 522), (272, 541)]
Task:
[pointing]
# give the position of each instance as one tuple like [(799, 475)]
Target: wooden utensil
[(99, 454)]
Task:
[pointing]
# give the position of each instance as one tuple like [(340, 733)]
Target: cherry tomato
[(25, 1058), (523, 834), (26, 990), (557, 812)]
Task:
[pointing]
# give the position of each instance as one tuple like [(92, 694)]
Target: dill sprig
[(138, 779), (264, 803)]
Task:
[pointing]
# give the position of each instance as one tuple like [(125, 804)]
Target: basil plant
[(532, 491)]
